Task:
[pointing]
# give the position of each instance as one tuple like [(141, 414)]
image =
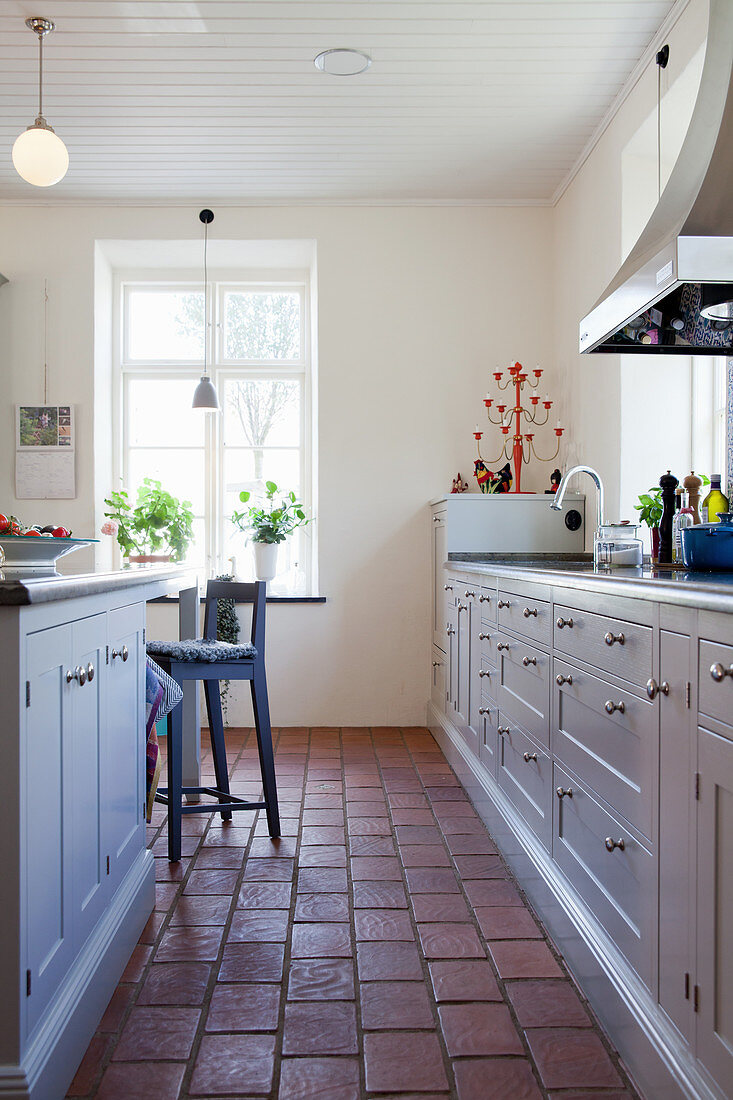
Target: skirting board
[(54, 1054), (658, 1061)]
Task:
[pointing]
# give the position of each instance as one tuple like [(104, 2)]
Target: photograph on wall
[(44, 452)]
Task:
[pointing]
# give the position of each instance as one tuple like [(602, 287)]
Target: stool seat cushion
[(193, 649)]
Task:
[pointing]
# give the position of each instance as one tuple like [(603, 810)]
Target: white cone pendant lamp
[(39, 155), (205, 396)]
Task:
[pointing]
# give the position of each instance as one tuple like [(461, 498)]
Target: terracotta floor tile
[(384, 961), (265, 895), (446, 794), (118, 1004), (195, 909), (369, 826), (184, 943), (258, 925), (440, 907), (157, 1034), (371, 846), (376, 869), (450, 941), (152, 1081), (507, 922), (379, 895), (265, 848), (137, 962), (524, 959), (358, 807), (322, 907), (387, 1069), (480, 866), (211, 882), (468, 825), (412, 825), (547, 1004), (324, 801), (234, 1064), (321, 941), (423, 880), (268, 870), (252, 962), (387, 1005), (322, 880), (496, 1079), (244, 1008), (571, 1058), (462, 844), (319, 1079), (383, 924), (492, 892), (479, 1028), (424, 855), (165, 893), (152, 927), (320, 1028), (321, 980), (459, 980), (323, 855), (219, 858), (587, 1094), (330, 817), (175, 983), (86, 1075), (322, 834)]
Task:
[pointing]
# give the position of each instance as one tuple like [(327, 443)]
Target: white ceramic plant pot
[(265, 560)]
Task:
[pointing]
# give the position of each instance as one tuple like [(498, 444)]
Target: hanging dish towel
[(162, 694)]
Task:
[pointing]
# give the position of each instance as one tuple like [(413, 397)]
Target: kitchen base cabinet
[(609, 790)]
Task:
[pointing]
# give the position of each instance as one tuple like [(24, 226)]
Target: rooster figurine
[(483, 475)]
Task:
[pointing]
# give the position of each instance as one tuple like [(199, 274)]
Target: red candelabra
[(518, 447)]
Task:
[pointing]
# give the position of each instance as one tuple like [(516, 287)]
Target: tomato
[(27, 534), (4, 522), (60, 533)]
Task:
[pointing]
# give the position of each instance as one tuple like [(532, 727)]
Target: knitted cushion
[(201, 650)]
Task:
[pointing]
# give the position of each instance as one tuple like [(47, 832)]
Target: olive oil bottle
[(714, 502)]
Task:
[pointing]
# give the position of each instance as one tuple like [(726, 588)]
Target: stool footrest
[(226, 801)]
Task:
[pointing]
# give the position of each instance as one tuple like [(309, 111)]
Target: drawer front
[(529, 617), (614, 754), (715, 680), (488, 637), (487, 601), (524, 773), (615, 645), (618, 885), (452, 589), (489, 720), (524, 686), (487, 679)]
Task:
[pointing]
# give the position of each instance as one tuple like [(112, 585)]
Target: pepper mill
[(693, 484), (668, 483)]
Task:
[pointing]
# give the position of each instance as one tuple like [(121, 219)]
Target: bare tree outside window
[(259, 406)]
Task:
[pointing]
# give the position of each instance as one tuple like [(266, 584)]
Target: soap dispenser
[(668, 483)]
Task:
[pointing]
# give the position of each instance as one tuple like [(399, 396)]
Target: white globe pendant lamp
[(39, 155), (205, 396)]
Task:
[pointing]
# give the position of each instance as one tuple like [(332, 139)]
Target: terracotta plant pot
[(144, 559)]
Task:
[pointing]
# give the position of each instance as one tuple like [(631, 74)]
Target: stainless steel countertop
[(706, 591), (18, 588)]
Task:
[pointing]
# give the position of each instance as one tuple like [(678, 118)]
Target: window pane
[(262, 412), (249, 469), (179, 472), (159, 413), (262, 324), (165, 324)]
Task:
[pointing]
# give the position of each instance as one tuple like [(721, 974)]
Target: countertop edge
[(31, 591)]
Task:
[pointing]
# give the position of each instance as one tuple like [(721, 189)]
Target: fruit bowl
[(35, 553)]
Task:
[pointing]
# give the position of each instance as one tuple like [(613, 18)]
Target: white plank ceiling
[(219, 101)]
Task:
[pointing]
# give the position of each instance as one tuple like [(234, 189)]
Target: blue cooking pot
[(709, 546)]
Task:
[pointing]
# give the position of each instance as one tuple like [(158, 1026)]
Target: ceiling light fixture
[(39, 155), (204, 396), (342, 62)]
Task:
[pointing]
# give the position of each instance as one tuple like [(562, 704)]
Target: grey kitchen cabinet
[(438, 556)]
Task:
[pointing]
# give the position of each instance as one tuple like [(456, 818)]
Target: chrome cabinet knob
[(560, 679), (462, 607), (449, 629), (484, 599), (469, 595), (90, 672), (503, 729), (719, 672), (502, 645), (484, 637), (611, 844), (436, 664), (563, 792), (124, 653), (504, 603), (69, 675), (652, 688), (484, 672), (529, 756), (436, 519), (560, 623), (527, 661), (610, 707), (79, 674), (530, 611), (484, 710), (448, 587), (611, 639)]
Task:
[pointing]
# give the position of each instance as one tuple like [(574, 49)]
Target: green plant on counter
[(650, 507), (157, 522), (271, 524)]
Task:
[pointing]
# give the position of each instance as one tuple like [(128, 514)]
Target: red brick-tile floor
[(379, 949)]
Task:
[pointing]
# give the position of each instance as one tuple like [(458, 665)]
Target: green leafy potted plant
[(650, 513), (269, 525), (159, 527)]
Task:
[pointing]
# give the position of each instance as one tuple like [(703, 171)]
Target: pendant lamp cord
[(40, 76), (206, 299), (45, 341)]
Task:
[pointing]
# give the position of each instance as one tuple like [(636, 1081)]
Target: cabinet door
[(124, 737), (715, 907), (676, 833), (88, 866), (439, 555), (47, 812)]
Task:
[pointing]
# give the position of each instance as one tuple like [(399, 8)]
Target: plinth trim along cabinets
[(604, 769)]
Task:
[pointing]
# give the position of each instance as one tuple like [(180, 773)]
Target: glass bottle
[(714, 502), (685, 517)]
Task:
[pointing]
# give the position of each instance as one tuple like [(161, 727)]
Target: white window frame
[(220, 369), (708, 413)]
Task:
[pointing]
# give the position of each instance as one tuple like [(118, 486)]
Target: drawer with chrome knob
[(528, 611), (484, 599), (449, 629), (564, 792), (612, 639), (527, 661), (529, 756), (560, 679), (504, 603), (610, 707), (79, 674), (462, 607), (468, 595), (484, 672), (611, 844), (503, 729), (719, 672), (447, 587), (484, 637), (436, 664), (124, 653), (560, 623), (484, 710), (502, 645), (652, 688)]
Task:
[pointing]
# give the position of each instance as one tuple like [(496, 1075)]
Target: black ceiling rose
[(206, 216)]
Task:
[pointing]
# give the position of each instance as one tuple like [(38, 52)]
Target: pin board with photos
[(44, 452)]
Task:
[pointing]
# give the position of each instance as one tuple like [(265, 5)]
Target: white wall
[(415, 308)]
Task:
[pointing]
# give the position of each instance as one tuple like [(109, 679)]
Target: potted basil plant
[(158, 527), (268, 525)]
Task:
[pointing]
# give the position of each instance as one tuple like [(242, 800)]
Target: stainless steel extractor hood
[(674, 292)]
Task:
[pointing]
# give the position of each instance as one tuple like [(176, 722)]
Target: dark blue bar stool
[(209, 661)]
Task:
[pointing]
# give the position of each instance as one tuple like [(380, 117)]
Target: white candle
[(546, 397), (477, 429), (558, 424)]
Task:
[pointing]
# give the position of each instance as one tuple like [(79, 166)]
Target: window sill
[(270, 599)]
